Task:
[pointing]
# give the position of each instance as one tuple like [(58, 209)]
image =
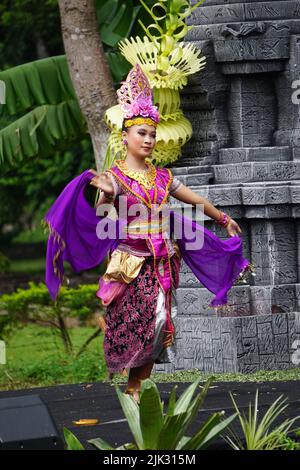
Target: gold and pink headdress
[(135, 98)]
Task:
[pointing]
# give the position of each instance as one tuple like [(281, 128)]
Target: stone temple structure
[(244, 157)]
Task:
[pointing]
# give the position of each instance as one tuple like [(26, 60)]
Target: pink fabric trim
[(110, 290)]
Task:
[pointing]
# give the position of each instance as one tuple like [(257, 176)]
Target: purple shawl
[(72, 237)]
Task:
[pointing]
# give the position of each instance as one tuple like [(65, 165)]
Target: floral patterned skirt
[(134, 331)]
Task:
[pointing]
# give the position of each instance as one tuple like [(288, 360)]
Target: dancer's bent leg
[(137, 374)]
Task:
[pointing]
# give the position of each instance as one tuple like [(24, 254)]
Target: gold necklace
[(144, 177)]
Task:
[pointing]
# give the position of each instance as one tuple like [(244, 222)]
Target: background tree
[(89, 70)]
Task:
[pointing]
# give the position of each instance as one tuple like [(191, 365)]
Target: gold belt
[(148, 227)]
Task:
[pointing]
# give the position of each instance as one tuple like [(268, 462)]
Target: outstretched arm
[(185, 194)]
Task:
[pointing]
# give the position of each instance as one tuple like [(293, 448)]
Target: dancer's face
[(141, 140)]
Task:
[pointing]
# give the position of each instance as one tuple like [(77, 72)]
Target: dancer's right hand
[(102, 181)]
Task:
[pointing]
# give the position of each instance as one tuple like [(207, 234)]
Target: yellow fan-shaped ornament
[(184, 60)]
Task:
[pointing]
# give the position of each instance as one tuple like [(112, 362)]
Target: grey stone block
[(231, 345)]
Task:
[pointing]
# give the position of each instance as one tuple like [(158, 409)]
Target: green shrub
[(288, 443), (260, 432), (4, 263), (34, 305)]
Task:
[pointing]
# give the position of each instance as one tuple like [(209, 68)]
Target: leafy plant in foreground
[(261, 434), (153, 429)]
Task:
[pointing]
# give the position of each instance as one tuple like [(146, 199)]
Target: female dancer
[(142, 273), (138, 301)]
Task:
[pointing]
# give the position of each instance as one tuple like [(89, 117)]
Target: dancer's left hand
[(233, 229)]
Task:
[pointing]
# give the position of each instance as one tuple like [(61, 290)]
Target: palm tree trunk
[(89, 70)]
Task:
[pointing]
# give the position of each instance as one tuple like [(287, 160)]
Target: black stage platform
[(68, 403)]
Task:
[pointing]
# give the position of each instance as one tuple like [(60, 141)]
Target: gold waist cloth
[(124, 267)]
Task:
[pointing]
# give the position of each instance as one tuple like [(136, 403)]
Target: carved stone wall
[(245, 158)]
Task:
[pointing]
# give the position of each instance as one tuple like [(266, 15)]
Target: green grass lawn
[(35, 357)]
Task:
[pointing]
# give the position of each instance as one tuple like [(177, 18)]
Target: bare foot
[(134, 393), (136, 396)]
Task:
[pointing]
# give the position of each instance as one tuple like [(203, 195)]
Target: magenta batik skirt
[(135, 321)]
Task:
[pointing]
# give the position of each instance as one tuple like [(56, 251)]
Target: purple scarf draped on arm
[(217, 264), (72, 224)]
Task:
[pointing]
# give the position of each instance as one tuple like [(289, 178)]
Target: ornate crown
[(135, 99)]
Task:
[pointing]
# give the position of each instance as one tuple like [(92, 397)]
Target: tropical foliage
[(153, 429), (43, 135), (41, 95), (260, 432)]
